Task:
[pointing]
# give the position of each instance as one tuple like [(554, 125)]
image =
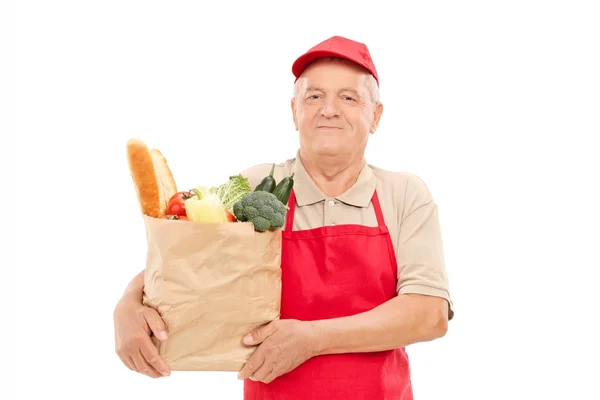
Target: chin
[(329, 149), (326, 145)]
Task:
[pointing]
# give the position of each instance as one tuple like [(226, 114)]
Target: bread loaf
[(153, 181)]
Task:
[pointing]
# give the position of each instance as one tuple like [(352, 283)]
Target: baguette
[(153, 181)]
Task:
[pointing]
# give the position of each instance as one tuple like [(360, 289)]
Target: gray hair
[(371, 83)]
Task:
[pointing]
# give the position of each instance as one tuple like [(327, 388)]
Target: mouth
[(328, 127)]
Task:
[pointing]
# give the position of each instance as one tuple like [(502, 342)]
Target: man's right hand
[(134, 323)]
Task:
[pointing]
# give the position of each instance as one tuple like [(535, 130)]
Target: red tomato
[(176, 204), (230, 216)]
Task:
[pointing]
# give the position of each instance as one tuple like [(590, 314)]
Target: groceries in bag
[(213, 264), (232, 201)]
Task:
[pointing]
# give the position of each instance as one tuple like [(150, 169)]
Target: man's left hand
[(283, 346)]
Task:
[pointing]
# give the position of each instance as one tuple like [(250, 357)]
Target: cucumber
[(284, 188), (268, 182)]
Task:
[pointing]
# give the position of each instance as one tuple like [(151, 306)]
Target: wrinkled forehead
[(333, 74), (335, 61)]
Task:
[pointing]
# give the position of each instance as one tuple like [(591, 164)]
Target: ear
[(293, 104), (376, 117)]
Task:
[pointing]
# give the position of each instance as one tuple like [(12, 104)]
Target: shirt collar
[(359, 194)]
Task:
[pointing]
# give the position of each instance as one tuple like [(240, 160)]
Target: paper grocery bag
[(212, 284)]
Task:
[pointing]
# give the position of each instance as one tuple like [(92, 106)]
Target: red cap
[(337, 46)]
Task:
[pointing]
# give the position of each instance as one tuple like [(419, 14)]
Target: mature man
[(363, 272)]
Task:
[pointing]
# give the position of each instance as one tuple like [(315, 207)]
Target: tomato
[(175, 217), (176, 207), (230, 217), (176, 204)]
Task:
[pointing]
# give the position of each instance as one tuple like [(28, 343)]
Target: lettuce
[(231, 192)]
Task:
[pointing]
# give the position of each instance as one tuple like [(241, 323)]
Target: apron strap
[(289, 219), (377, 208)]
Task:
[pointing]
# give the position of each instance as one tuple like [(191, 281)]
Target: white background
[(496, 105)]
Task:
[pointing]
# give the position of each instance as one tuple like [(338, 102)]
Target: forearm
[(135, 288), (401, 321)]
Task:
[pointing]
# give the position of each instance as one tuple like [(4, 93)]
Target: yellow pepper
[(205, 208)]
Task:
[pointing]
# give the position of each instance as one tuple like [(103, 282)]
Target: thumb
[(156, 323), (259, 334)]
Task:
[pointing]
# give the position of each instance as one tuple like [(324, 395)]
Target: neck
[(333, 175)]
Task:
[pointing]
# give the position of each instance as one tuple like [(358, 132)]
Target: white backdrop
[(496, 105)]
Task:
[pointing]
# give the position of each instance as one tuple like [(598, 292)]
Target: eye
[(348, 98), (313, 97)]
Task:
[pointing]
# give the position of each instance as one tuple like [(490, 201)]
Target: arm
[(134, 323), (422, 309), (285, 344), (401, 321), (135, 289)]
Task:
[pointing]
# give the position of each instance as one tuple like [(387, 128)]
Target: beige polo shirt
[(409, 210)]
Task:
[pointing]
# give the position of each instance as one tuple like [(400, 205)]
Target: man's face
[(333, 110)]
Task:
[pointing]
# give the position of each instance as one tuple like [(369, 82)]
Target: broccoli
[(261, 208)]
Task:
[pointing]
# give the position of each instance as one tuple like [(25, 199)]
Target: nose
[(330, 108)]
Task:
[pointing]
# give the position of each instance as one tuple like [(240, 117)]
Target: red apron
[(330, 272)]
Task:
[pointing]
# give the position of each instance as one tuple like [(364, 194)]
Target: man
[(363, 272)]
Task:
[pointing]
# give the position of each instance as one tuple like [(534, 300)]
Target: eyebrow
[(316, 89), (351, 91)]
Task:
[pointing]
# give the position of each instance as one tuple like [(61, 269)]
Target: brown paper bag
[(212, 284)]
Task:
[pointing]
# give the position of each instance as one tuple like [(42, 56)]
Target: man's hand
[(133, 324), (283, 346)]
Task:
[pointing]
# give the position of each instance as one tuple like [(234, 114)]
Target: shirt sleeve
[(420, 255)]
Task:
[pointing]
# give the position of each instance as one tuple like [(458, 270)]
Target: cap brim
[(304, 60)]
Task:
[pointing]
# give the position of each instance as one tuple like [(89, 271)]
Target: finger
[(152, 357), (265, 370), (156, 323), (254, 362), (143, 367), (271, 375), (260, 334), (128, 362), (125, 357)]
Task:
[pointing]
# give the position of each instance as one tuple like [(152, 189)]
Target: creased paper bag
[(212, 284)]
